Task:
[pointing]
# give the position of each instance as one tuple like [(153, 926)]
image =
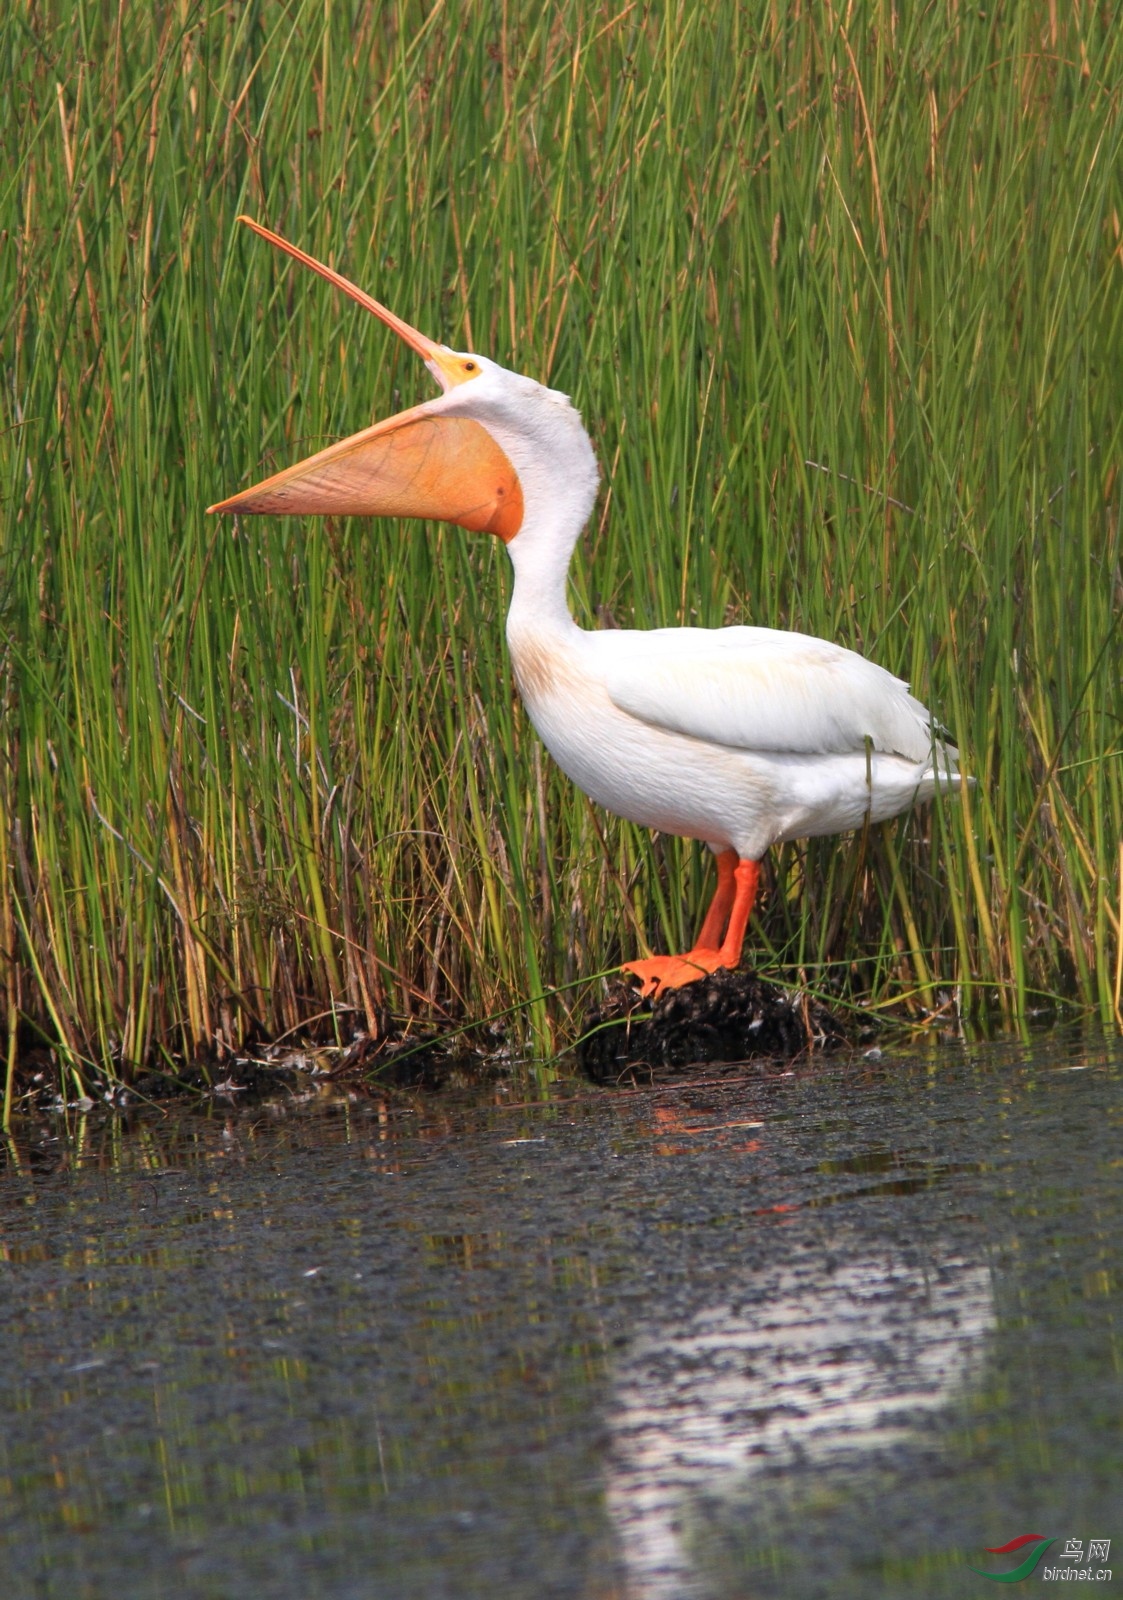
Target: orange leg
[(729, 909), (717, 917)]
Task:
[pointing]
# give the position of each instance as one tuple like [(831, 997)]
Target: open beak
[(420, 463)]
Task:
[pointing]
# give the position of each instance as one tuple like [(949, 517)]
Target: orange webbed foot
[(736, 891), (672, 972)]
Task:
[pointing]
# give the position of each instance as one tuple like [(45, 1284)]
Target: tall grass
[(839, 294)]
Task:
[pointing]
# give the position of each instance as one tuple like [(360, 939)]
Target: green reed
[(838, 294)]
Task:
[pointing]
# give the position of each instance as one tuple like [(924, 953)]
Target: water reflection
[(816, 1363), (827, 1333)]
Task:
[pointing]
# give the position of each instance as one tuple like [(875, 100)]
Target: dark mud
[(728, 1018), (400, 1056), (427, 1060)]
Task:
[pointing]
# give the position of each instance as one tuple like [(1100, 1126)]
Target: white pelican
[(740, 737)]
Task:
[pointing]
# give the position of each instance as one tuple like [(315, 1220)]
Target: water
[(826, 1332)]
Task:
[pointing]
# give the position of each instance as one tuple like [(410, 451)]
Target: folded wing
[(761, 689)]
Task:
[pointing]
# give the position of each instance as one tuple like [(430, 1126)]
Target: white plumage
[(762, 689), (740, 737)]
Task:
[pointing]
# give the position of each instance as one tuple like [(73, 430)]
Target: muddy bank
[(726, 1019)]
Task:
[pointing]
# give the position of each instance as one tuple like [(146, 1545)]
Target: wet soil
[(401, 1056), (725, 1020), (729, 1018)]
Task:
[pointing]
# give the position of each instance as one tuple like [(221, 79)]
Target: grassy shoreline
[(839, 297)]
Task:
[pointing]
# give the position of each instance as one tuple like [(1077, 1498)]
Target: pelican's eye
[(456, 368)]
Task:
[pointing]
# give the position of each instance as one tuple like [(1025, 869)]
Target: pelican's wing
[(761, 689)]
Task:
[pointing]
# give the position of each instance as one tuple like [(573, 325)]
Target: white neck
[(542, 436), (541, 558)]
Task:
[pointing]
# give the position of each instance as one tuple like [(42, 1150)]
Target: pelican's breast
[(657, 778), (543, 669), (569, 706)]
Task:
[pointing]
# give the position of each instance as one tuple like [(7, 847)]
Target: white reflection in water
[(810, 1364)]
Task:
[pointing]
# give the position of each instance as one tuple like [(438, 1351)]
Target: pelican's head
[(495, 452)]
